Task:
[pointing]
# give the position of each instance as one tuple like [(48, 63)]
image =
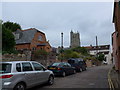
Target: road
[(94, 77)]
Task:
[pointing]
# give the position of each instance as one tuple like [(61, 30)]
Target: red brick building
[(114, 48), (31, 39), (116, 37)]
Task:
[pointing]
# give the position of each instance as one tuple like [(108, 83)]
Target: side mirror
[(44, 69)]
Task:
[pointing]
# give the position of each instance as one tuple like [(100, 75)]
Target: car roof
[(80, 59), (16, 61)]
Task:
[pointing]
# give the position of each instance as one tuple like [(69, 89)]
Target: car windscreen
[(5, 68), (55, 64), (71, 61)]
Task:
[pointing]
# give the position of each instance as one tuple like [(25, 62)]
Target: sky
[(90, 19)]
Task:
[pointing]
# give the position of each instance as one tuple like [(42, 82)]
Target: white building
[(104, 49)]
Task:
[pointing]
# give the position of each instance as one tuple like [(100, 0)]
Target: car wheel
[(74, 71), (80, 69), (63, 74), (19, 86), (51, 80)]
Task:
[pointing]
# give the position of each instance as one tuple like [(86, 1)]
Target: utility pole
[(96, 46), (61, 46), (62, 40)]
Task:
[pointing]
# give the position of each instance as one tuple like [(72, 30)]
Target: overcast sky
[(88, 18)]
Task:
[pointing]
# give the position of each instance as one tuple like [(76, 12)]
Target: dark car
[(78, 63), (62, 69)]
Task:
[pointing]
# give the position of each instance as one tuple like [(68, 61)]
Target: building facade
[(116, 35), (74, 39), (31, 39), (114, 50)]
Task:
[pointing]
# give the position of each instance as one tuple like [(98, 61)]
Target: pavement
[(94, 77), (115, 79)]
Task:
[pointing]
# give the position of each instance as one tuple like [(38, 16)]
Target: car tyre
[(51, 80), (80, 69), (20, 86), (63, 74), (74, 71)]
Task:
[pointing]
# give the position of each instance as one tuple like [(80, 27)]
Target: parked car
[(20, 75), (62, 69), (78, 63)]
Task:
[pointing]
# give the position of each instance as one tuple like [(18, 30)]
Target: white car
[(20, 75)]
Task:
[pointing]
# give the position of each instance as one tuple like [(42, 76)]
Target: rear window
[(55, 64), (71, 61), (5, 68), (18, 67)]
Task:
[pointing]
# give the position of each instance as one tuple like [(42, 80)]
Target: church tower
[(74, 39)]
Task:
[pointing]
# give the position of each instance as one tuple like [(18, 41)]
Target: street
[(94, 77)]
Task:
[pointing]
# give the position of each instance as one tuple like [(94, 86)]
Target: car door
[(29, 74), (69, 68), (41, 74), (66, 68)]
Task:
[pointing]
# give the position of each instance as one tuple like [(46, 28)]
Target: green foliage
[(81, 50), (11, 26), (40, 53), (10, 51), (89, 58), (101, 57), (78, 52), (8, 41), (75, 55)]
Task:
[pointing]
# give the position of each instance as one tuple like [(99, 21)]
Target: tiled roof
[(26, 36)]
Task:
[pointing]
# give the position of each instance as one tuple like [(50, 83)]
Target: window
[(68, 65), (27, 66), (33, 48), (40, 38), (6, 68), (37, 67), (18, 67), (65, 65)]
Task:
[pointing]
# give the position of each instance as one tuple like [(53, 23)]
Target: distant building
[(104, 49), (74, 39), (116, 35), (31, 39)]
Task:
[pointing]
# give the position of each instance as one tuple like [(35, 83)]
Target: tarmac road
[(94, 77)]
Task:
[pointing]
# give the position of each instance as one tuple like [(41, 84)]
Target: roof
[(100, 47), (26, 36), (16, 61)]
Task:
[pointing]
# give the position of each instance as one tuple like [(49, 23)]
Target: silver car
[(20, 75)]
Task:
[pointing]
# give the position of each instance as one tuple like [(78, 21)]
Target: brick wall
[(116, 20), (34, 43)]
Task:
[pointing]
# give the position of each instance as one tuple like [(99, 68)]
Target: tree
[(41, 54), (81, 50), (74, 55), (11, 26), (101, 57), (8, 41)]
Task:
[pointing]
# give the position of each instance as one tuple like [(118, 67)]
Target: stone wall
[(15, 57), (25, 56)]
